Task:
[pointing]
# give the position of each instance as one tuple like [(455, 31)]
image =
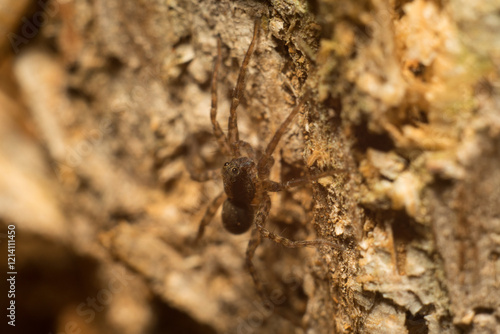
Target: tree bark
[(106, 109)]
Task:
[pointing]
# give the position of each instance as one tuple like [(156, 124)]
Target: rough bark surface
[(104, 108)]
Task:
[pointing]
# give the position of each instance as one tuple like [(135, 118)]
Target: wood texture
[(105, 110)]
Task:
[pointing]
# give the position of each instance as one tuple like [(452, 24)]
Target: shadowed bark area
[(105, 110)]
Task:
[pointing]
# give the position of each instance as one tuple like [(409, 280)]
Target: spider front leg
[(232, 123), (195, 173), (247, 148), (219, 134), (265, 163), (202, 176)]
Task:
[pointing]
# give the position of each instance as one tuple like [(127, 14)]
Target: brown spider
[(245, 199)]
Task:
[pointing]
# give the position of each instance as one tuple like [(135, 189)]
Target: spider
[(245, 200)]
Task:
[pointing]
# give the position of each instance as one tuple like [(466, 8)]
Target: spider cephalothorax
[(239, 176)]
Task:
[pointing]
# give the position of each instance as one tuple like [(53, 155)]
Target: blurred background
[(104, 105)]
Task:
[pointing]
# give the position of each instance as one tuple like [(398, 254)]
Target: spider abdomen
[(236, 219)]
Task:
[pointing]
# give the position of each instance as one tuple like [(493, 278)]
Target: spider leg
[(280, 186), (255, 240), (232, 124), (190, 164), (203, 176), (262, 166), (209, 214), (219, 134), (247, 148), (260, 218)]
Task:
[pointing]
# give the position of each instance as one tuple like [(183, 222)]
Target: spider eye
[(226, 164), (234, 170)]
